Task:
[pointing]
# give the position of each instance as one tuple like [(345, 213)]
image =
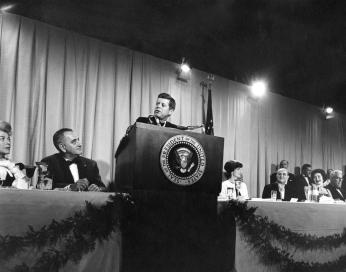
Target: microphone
[(189, 127), (194, 127), (151, 118)]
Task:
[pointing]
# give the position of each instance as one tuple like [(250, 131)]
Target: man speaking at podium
[(165, 106)]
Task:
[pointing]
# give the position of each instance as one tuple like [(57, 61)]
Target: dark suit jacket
[(289, 191), (335, 193), (8, 181), (60, 172), (300, 183), (152, 120), (146, 120), (273, 177)]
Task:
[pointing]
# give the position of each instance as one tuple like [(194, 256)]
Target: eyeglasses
[(3, 139)]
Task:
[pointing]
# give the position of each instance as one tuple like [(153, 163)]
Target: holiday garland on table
[(76, 235), (259, 231)]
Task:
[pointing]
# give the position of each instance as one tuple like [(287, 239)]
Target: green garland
[(76, 235), (259, 231)]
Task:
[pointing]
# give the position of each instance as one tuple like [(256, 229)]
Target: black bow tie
[(75, 160)]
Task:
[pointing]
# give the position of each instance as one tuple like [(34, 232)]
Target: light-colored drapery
[(52, 78)]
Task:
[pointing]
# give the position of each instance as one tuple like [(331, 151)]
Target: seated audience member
[(283, 164), (327, 181), (234, 187), (10, 174), (335, 185), (318, 177), (304, 179), (68, 168), (284, 188)]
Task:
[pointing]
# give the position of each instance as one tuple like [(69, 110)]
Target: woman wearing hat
[(234, 187)]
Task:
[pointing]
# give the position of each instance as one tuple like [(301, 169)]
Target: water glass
[(273, 195), (230, 192)]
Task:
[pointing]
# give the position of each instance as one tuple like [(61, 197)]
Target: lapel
[(65, 170), (82, 167), (340, 194)]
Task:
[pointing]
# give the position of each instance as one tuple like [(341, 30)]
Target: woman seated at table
[(318, 177), (234, 187), (10, 174), (282, 189)]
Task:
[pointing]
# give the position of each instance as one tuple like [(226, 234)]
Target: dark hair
[(280, 165), (320, 171), (306, 165), (5, 127), (230, 166), (170, 98), (57, 137)]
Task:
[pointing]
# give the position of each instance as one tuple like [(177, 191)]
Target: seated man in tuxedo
[(284, 188), (165, 106), (68, 168), (305, 178), (335, 185), (283, 164)]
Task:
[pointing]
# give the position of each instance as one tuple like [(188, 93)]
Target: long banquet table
[(307, 218), (20, 209)]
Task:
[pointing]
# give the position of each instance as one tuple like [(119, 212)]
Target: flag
[(209, 125)]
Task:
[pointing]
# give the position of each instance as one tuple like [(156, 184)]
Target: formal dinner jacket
[(8, 181), (289, 191), (300, 182), (335, 193), (60, 172), (152, 120)]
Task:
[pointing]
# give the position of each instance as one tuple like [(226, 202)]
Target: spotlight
[(185, 67), (328, 112), (184, 71), (258, 88)]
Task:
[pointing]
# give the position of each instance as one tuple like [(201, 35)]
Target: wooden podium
[(138, 164), (175, 226)]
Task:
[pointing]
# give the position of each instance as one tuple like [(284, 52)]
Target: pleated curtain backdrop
[(52, 78)]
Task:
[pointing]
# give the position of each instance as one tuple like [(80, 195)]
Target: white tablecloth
[(21, 208), (308, 218)]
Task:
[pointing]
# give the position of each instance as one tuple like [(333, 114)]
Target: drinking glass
[(230, 192), (273, 195)]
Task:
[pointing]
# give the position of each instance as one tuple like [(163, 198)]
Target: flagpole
[(209, 125)]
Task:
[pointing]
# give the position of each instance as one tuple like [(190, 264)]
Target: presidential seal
[(183, 160)]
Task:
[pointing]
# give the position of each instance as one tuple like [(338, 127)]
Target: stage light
[(6, 8), (258, 88), (328, 110), (185, 67), (184, 71)]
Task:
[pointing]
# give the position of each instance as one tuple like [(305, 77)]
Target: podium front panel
[(139, 168)]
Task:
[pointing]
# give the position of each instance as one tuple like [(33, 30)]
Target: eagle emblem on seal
[(183, 160)]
